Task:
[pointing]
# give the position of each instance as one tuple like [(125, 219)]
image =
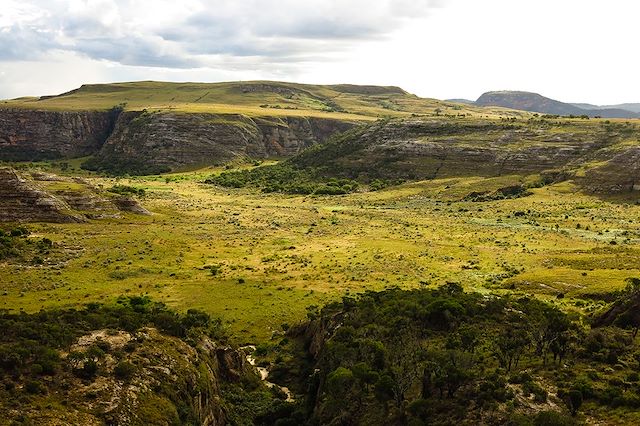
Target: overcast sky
[(571, 50)]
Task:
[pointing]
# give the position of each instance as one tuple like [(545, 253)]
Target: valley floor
[(259, 260)]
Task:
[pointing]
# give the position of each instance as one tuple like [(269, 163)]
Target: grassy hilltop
[(252, 98)]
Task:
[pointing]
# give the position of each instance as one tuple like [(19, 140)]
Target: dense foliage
[(14, 243), (30, 342), (38, 359), (127, 190), (122, 167), (444, 356), (284, 178)]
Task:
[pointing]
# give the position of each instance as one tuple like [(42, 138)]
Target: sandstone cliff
[(158, 142), (31, 135), (141, 142)]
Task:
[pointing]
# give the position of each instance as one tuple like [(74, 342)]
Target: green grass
[(255, 99), (278, 254)]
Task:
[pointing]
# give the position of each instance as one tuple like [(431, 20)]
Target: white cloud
[(574, 50)]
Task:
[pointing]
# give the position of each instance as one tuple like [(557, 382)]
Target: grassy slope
[(279, 254), (276, 98)]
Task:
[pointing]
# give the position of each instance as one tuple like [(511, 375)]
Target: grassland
[(259, 260), (255, 99)]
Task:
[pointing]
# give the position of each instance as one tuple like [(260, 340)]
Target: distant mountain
[(628, 107), (461, 101), (534, 102)]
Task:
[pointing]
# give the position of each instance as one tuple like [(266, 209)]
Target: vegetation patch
[(285, 178), (441, 356), (15, 244)]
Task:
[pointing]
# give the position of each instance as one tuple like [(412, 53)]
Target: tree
[(573, 400), (404, 357), (630, 316), (510, 345), (339, 382)]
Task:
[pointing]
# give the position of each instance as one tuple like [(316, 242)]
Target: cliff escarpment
[(144, 143), (139, 142), (32, 135), (601, 157)]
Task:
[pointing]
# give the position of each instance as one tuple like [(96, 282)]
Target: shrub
[(552, 418), (34, 387), (124, 370)]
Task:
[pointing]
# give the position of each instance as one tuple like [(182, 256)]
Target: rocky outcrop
[(31, 135), (168, 381), (21, 201), (432, 149), (620, 174), (157, 142), (44, 197)]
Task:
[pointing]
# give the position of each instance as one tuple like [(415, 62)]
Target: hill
[(534, 102), (633, 107), (600, 156), (151, 127), (252, 98)]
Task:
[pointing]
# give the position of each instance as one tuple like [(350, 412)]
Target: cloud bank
[(198, 33)]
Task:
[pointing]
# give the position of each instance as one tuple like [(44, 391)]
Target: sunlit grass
[(275, 254)]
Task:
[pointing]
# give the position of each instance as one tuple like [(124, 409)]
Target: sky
[(571, 50)]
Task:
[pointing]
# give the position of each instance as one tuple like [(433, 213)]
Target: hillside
[(633, 107), (534, 102), (133, 362), (601, 157), (153, 127), (252, 98)]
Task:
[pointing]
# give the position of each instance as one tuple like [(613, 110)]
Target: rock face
[(29, 135), (169, 375), (21, 201), (158, 142), (140, 142), (428, 149), (42, 197)]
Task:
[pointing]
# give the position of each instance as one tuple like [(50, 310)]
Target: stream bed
[(264, 373)]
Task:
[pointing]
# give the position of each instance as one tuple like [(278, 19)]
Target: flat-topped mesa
[(534, 102)]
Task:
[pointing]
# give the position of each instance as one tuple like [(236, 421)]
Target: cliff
[(32, 135), (600, 157), (140, 142), (158, 142)]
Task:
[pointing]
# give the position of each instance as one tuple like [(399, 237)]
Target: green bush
[(552, 418), (285, 178), (127, 190), (124, 370)]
